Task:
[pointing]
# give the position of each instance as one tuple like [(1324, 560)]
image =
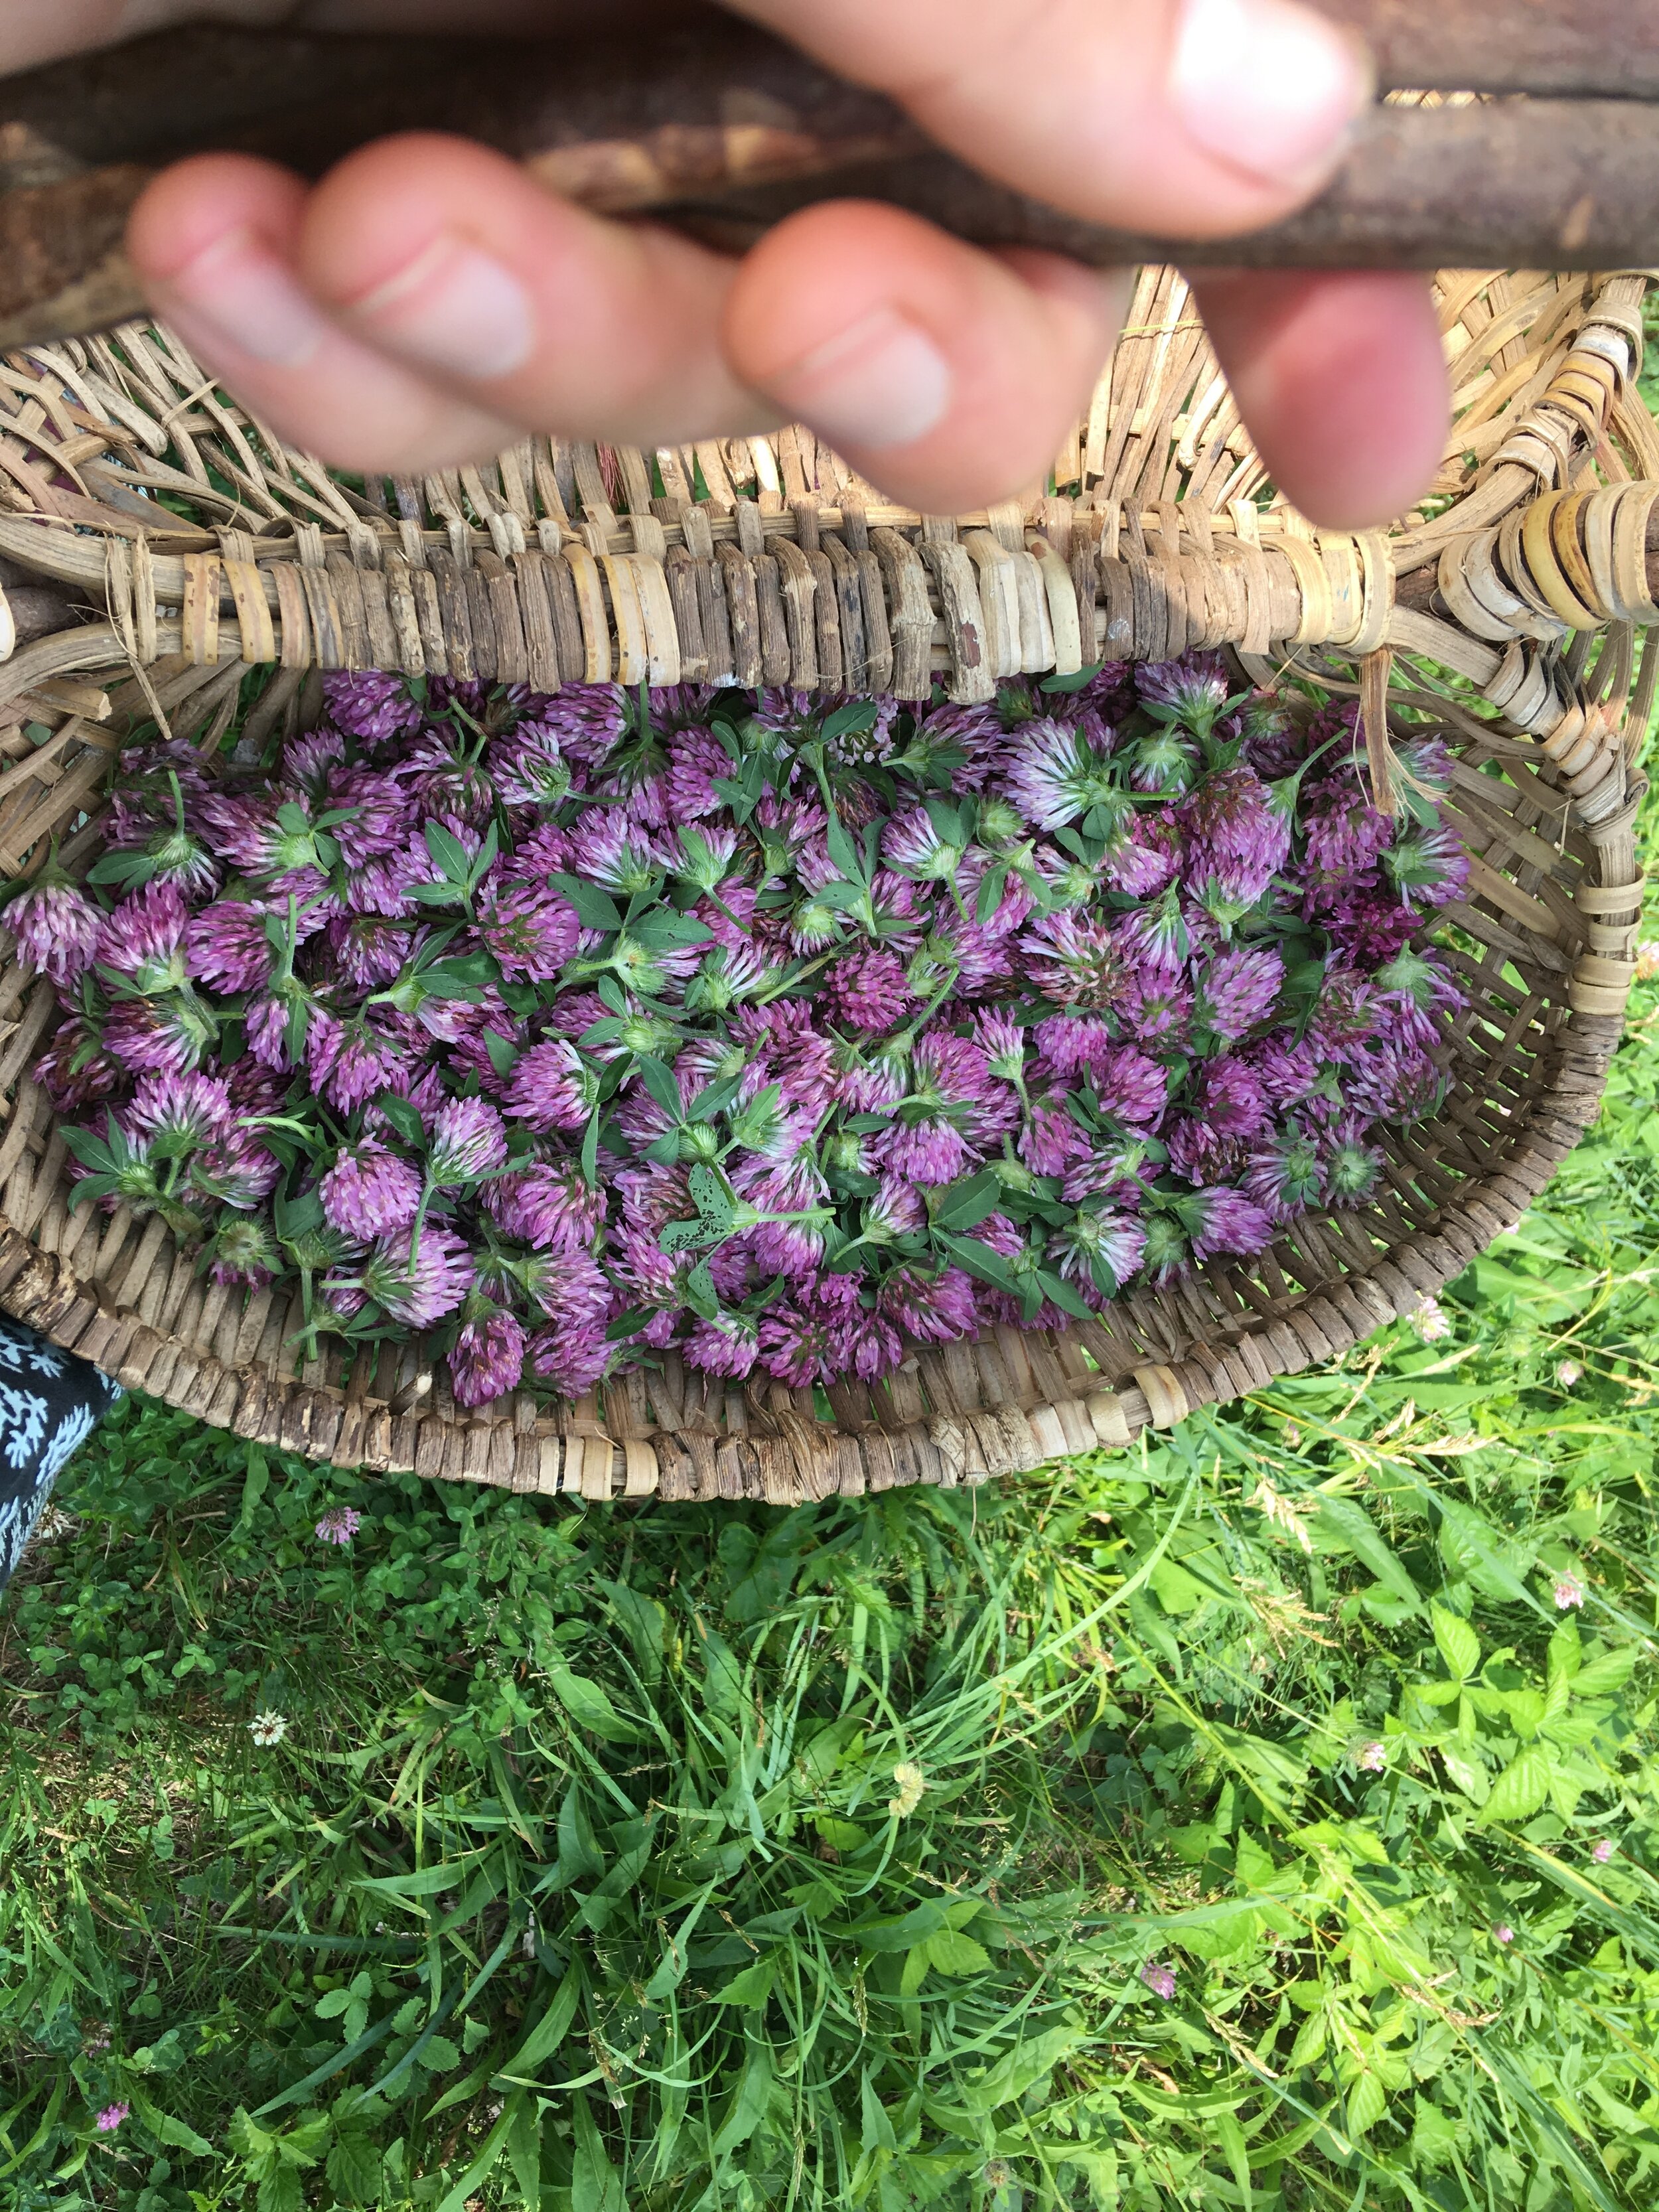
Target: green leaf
[(659, 1080), (595, 908), (166, 2129), (548, 2032), (595, 2184), (1521, 1789), (448, 854), (589, 1706), (1459, 1645), (963, 1205), (1367, 2101), (403, 1116), (753, 1986), (353, 2168), (1601, 1676), (953, 1953), (1347, 1522), (749, 2101)]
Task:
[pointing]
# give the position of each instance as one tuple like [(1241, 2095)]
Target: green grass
[(668, 1857)]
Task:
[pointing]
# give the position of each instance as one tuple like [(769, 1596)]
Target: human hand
[(428, 303)]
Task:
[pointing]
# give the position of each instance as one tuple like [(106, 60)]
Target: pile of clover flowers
[(788, 1034)]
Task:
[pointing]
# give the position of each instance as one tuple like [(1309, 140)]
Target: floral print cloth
[(50, 1404)]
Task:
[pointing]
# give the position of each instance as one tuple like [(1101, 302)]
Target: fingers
[(944, 374), (428, 304), (1192, 118), (449, 260), (215, 241), (1342, 381)]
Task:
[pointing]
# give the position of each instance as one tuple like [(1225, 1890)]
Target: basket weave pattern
[(765, 563)]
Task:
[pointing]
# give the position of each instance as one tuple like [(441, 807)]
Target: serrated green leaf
[(1521, 1789), (1458, 1643)]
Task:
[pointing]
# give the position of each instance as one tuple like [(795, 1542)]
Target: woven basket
[(194, 544)]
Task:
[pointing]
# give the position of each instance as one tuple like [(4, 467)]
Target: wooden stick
[(1607, 49), (722, 130)]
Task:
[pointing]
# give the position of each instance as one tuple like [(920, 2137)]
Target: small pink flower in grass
[(1160, 1980), (1503, 1933), (1602, 1851), (111, 2119), (1569, 1593), (339, 1525), (1371, 1758)]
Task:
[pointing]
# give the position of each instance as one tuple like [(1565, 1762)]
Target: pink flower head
[(1602, 1851), (243, 1255), (339, 1525), (1130, 1085), (180, 1112), (531, 931), (468, 1141), (1503, 1933), (369, 1192), (111, 2119), (160, 1036), (1569, 1593), (551, 1087), (572, 1360), (728, 1345), (372, 705), (869, 991), (1240, 990), (1226, 1221), (57, 928), (487, 1359), (1072, 963), (934, 1310), (1371, 1758), (1160, 1980), (227, 945), (419, 1282), (548, 1205), (142, 939)]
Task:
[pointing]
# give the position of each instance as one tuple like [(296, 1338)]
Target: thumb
[(1185, 117)]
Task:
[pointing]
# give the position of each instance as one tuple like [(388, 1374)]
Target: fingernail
[(456, 309), (880, 385), (238, 292), (1270, 87)]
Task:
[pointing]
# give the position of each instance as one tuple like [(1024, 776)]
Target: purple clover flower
[(468, 1143), (339, 1525), (419, 1281), (486, 1360), (57, 928), (369, 1192)]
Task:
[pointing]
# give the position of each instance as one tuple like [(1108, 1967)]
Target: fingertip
[(194, 205), (943, 374), (1342, 381)]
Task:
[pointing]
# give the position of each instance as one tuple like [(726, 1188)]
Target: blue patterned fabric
[(50, 1404)]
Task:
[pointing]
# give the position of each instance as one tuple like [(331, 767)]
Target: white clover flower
[(267, 1728)]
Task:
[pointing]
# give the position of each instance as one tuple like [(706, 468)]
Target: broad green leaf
[(1610, 1671), (749, 2100), (1521, 1789), (953, 1953), (353, 2168), (1459, 1645), (1367, 2101), (588, 1703), (753, 1986)]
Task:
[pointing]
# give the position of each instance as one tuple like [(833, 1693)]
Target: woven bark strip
[(1530, 582)]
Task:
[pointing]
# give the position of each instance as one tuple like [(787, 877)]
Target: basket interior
[(194, 547)]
